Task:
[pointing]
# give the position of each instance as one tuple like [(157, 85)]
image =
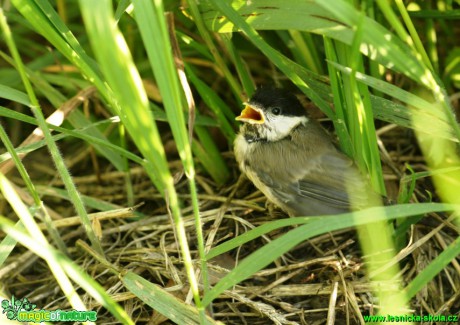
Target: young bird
[(292, 160)]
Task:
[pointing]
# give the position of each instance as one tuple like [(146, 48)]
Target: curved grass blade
[(312, 227), (163, 301), (63, 267)]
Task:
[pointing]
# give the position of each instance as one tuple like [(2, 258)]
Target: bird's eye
[(276, 111)]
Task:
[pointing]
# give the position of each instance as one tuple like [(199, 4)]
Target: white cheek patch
[(281, 126)]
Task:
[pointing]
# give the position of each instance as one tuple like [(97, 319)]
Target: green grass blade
[(395, 54), (242, 69), (76, 118), (53, 149), (312, 227), (304, 51), (193, 5), (162, 301), (434, 268), (151, 20), (33, 192), (80, 133), (33, 232), (62, 268), (89, 201), (338, 99), (436, 123), (209, 155), (364, 122), (128, 93), (8, 244), (436, 14), (328, 18), (224, 115), (47, 22), (284, 64), (123, 78), (14, 95)]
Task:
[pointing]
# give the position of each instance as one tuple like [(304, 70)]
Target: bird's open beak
[(251, 115)]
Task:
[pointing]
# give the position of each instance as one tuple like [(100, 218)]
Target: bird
[(293, 161)]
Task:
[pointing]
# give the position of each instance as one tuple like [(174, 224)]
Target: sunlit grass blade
[(360, 115), (52, 147), (316, 18), (39, 207), (151, 20), (303, 49), (80, 133), (279, 60), (122, 76), (130, 98), (76, 118), (335, 22), (47, 22), (341, 125), (193, 5), (8, 244), (438, 122), (63, 269), (401, 56), (33, 231), (441, 154)]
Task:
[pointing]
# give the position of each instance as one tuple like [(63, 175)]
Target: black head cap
[(268, 97)]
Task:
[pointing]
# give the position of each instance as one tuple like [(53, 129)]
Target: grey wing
[(327, 186), (338, 184)]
